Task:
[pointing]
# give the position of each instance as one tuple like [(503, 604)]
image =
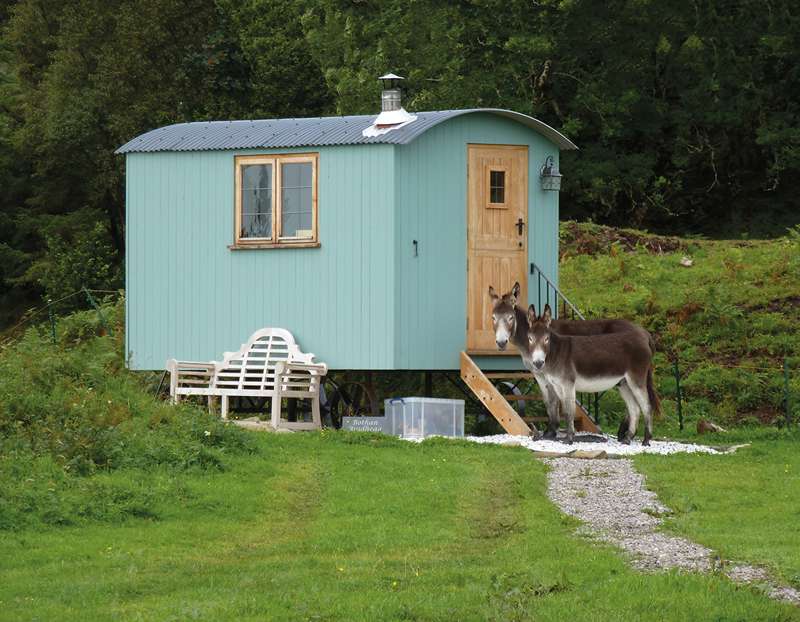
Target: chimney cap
[(391, 76)]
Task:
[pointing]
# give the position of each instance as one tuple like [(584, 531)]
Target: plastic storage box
[(420, 417)]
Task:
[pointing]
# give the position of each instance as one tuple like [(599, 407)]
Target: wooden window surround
[(273, 213), (496, 187)]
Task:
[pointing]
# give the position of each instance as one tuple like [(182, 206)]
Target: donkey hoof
[(625, 440), (550, 435)]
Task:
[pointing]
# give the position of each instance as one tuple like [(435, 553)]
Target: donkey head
[(504, 318), (539, 336)]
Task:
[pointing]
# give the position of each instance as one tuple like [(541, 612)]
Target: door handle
[(520, 225)]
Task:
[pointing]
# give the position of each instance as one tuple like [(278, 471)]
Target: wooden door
[(497, 245)]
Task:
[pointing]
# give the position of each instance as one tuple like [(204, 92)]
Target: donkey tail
[(655, 402)]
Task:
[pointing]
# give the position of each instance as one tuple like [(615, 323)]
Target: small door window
[(497, 187), (496, 181)]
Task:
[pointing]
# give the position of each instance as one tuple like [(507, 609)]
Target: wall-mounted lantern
[(551, 178)]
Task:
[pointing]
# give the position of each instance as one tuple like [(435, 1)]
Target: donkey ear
[(531, 314), (547, 316), (492, 294), (515, 290)]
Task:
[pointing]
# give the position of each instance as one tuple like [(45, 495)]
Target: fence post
[(597, 408), (678, 393), (92, 302), (52, 318), (786, 392)]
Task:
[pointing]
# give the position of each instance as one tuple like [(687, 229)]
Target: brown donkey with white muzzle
[(510, 323), (591, 364)]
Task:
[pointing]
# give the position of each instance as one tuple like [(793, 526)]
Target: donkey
[(511, 325), (592, 364)]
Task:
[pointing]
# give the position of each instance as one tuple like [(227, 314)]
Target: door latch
[(520, 225)]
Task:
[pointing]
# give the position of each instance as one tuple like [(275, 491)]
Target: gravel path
[(610, 497)]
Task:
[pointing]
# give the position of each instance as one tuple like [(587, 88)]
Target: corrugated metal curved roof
[(311, 132)]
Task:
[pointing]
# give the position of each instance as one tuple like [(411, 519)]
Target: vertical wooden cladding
[(190, 297), (431, 207), (496, 247), (363, 300)]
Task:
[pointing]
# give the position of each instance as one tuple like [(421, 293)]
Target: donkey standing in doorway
[(511, 325), (592, 364)]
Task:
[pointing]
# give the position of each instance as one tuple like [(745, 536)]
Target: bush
[(79, 254), (71, 409)]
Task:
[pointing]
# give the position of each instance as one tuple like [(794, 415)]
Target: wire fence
[(783, 369), (787, 403), (16, 331)]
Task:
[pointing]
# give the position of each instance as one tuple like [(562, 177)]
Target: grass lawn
[(745, 506), (336, 526)]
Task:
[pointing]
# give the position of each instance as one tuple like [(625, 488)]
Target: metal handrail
[(558, 294)]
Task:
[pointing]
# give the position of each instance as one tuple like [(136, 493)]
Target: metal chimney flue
[(390, 96), (393, 116)]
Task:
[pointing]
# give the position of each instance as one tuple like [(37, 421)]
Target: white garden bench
[(269, 365)]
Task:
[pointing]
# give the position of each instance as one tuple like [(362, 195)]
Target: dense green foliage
[(70, 410), (731, 319), (743, 506), (686, 112), (339, 526)]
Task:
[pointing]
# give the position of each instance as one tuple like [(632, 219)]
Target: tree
[(92, 74)]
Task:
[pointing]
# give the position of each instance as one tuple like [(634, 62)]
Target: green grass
[(731, 319), (745, 506), (337, 526), (117, 506)]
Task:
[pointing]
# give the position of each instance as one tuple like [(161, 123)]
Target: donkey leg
[(551, 403), (639, 389), (627, 429), (553, 411), (623, 427), (568, 406)]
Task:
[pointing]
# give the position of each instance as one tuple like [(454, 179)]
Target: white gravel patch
[(611, 446)]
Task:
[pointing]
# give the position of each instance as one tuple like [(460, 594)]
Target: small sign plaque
[(365, 424)]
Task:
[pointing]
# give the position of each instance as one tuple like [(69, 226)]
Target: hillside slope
[(730, 319)]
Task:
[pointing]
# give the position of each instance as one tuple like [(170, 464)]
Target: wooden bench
[(269, 365)]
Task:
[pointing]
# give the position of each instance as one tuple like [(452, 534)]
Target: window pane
[(256, 201), (296, 209), (497, 186)]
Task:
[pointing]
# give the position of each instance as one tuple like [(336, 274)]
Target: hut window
[(256, 201), (297, 203), (276, 201)]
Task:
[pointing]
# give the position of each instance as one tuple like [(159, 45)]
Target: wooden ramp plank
[(582, 421), (490, 397)]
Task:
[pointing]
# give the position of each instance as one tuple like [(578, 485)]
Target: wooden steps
[(490, 397), (498, 404), (507, 375)]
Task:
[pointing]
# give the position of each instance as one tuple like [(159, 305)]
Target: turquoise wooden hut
[(372, 239)]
